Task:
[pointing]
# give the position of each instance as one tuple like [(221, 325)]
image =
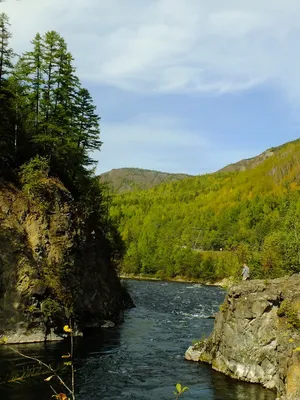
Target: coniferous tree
[(55, 117), (28, 81), (47, 138), (7, 142), (87, 126), (6, 53)]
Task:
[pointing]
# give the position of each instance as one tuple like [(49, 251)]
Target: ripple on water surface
[(143, 358)]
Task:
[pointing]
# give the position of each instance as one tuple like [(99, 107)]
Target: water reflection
[(238, 390)]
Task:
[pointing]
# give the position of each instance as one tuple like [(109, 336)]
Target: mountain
[(249, 163), (128, 179), (178, 228)]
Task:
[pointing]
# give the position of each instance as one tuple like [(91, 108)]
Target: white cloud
[(172, 45)]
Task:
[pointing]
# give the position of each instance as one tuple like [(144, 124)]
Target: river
[(143, 358)]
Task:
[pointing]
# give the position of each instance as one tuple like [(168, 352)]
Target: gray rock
[(108, 324), (256, 337), (35, 336), (192, 354)]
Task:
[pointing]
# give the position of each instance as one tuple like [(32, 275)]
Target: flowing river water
[(143, 358)]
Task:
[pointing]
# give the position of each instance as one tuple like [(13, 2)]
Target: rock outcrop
[(52, 263), (256, 337)]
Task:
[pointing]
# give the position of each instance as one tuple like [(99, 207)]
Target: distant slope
[(253, 216), (249, 163), (128, 179)]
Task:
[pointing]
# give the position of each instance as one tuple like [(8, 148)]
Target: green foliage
[(178, 228), (291, 312), (223, 307), (180, 390), (49, 131), (51, 308), (54, 116), (33, 177), (38, 186), (7, 144)]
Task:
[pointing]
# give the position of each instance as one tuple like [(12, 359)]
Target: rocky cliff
[(53, 264), (256, 337)]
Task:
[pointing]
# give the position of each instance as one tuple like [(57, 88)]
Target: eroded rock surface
[(52, 262), (256, 337)]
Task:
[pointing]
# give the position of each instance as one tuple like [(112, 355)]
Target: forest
[(49, 124), (206, 227), (49, 129), (201, 227)]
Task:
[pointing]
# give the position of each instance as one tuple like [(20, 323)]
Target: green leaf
[(68, 363), (178, 388)]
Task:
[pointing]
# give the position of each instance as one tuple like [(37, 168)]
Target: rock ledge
[(256, 337)]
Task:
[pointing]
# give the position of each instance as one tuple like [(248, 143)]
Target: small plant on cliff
[(51, 308), (34, 178), (223, 307), (289, 310)]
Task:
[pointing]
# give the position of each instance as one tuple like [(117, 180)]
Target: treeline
[(45, 111), (205, 227), (49, 127)]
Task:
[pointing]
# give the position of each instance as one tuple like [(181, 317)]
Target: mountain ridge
[(249, 163), (127, 179), (228, 217)]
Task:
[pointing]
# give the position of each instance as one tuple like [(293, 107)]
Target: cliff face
[(52, 263), (256, 337)]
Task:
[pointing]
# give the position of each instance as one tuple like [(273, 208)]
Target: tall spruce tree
[(28, 81), (87, 126), (7, 142), (6, 53)]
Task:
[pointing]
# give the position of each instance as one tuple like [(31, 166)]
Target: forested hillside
[(179, 228), (127, 179), (57, 244)]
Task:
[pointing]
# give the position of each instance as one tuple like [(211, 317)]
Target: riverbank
[(224, 283), (141, 358), (256, 336)]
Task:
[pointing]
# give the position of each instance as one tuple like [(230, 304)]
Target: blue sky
[(181, 85)]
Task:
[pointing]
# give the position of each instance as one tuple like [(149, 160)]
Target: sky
[(181, 85)]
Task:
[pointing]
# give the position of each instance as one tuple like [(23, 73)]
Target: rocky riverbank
[(52, 265), (256, 337)]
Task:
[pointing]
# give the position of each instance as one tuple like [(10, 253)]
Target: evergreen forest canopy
[(205, 227), (49, 128)]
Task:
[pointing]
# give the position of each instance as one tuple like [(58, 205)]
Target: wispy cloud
[(172, 45), (148, 61)]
